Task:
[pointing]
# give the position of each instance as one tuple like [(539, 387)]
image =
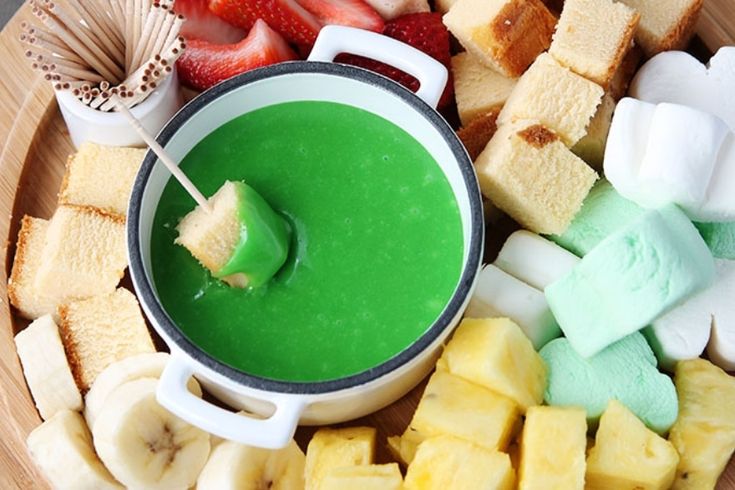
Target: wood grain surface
[(35, 145)]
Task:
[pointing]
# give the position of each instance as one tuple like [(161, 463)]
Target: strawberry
[(354, 13), (202, 24), (204, 64), (424, 31), (287, 17)]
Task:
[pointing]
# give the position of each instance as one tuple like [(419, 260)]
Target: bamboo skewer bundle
[(98, 49)]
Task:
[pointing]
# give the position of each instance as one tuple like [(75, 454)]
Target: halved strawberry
[(285, 16), (424, 31), (205, 64), (354, 13), (202, 24)]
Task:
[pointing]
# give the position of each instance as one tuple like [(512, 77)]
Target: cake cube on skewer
[(593, 36), (505, 35), (94, 164), (238, 217)]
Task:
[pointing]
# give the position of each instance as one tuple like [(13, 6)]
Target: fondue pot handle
[(431, 74), (271, 433)]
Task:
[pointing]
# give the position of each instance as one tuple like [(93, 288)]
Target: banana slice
[(62, 449), (234, 466), (148, 365), (143, 445), (46, 369)]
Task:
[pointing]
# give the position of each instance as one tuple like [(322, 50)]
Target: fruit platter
[(362, 244)]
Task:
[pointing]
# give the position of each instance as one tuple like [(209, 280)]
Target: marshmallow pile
[(645, 273)]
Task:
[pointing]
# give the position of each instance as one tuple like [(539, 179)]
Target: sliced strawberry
[(424, 31), (285, 16), (354, 13), (205, 64), (202, 24)]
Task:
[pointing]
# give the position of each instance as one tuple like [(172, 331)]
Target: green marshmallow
[(630, 278), (603, 212), (625, 371), (720, 238)]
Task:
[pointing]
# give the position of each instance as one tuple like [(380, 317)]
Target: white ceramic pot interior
[(299, 87)]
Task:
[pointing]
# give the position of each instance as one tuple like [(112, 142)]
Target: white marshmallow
[(626, 147), (678, 77), (683, 332), (669, 153), (681, 152), (534, 259), (721, 195), (500, 294), (721, 347)]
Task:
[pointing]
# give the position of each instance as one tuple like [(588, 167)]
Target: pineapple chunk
[(628, 455), (447, 462), (370, 477), (704, 433), (496, 354), (335, 448), (403, 448), (553, 448), (453, 406)]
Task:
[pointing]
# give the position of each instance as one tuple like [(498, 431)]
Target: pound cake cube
[(369, 477), (496, 354), (101, 330), (337, 448), (85, 254), (665, 26), (101, 176), (593, 36), (454, 406), (476, 135), (22, 292), (477, 88), (627, 454), (591, 148), (528, 173), (554, 96), (553, 446), (446, 462), (505, 35)]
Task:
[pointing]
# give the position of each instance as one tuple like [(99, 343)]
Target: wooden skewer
[(141, 43), (163, 156)]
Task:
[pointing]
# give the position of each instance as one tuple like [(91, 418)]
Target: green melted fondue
[(376, 249)]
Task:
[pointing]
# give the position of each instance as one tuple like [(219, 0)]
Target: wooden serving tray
[(35, 145)]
